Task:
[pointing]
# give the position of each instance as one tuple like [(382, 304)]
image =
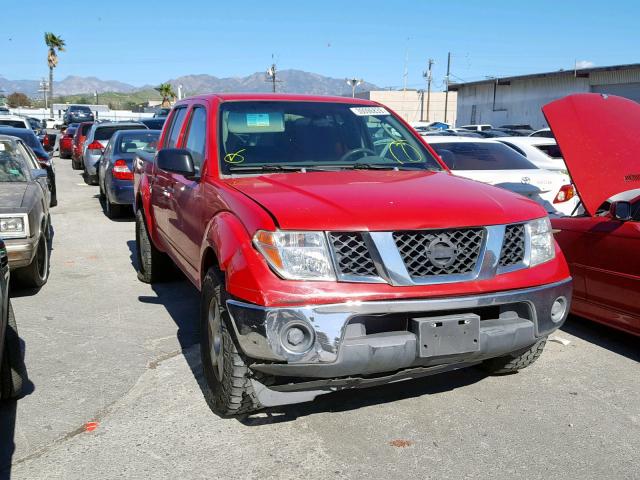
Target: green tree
[(166, 92), (55, 44), (17, 99)]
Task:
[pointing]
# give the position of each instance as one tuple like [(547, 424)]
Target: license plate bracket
[(447, 335)]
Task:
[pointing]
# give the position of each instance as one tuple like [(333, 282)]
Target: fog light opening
[(297, 337), (558, 309)]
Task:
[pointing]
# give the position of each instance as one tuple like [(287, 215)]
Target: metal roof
[(580, 73)]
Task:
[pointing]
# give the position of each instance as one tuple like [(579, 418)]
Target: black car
[(77, 114), (25, 223), (12, 369), (162, 112), (32, 141), (155, 123)]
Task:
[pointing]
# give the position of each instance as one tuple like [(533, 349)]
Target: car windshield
[(481, 156), (105, 133), (316, 135), (12, 123), (155, 123), (130, 142), (12, 167)]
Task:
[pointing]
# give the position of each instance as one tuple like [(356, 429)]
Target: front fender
[(239, 261)]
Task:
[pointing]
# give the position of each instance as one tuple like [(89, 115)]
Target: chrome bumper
[(341, 345), (21, 251)]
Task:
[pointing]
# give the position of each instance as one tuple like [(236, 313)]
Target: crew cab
[(334, 249)]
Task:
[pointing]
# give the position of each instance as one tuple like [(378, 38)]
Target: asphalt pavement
[(115, 391)]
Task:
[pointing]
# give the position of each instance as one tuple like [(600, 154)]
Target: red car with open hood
[(602, 245), (334, 249)]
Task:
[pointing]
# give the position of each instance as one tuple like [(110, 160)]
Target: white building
[(518, 100), (411, 105)]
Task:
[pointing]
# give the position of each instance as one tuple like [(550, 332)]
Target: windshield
[(12, 167), (320, 135), (12, 123), (130, 142), (481, 156), (105, 133)]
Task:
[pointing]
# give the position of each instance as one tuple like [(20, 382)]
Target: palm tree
[(56, 44), (167, 93)]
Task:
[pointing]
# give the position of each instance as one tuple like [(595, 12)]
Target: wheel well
[(209, 259)]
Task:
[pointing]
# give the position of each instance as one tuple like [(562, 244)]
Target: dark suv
[(78, 114)]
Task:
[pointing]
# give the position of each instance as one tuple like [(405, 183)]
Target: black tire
[(12, 369), (103, 196), (36, 274), (153, 265), (75, 166), (515, 361), (229, 391)]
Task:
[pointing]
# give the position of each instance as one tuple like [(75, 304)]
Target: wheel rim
[(42, 259), (214, 332)]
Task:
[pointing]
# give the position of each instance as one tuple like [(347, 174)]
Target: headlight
[(14, 226), (296, 255), (543, 247)]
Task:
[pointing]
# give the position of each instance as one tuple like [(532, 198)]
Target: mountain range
[(289, 81)]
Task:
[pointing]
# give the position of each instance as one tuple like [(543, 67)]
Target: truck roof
[(284, 97)]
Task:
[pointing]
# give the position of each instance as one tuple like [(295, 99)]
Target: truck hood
[(12, 195), (598, 136), (382, 200)]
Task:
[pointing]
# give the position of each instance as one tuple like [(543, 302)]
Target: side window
[(30, 159), (174, 129), (197, 136)]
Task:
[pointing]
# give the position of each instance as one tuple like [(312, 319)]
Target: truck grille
[(352, 255), (513, 246), (460, 251)]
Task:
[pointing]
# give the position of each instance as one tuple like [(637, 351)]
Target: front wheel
[(36, 274), (516, 361), (229, 389)]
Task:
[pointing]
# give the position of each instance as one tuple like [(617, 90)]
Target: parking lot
[(103, 347)]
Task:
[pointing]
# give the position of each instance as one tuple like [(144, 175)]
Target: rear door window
[(176, 126), (196, 139)]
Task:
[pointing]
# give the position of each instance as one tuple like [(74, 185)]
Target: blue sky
[(148, 42)]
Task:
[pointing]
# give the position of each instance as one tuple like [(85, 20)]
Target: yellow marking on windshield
[(234, 157), (399, 148)]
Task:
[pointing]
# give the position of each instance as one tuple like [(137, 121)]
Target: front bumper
[(364, 338), (21, 251)]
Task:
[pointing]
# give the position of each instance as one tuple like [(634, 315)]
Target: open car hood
[(599, 138)]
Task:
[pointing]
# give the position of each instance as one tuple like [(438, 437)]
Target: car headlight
[(543, 246), (14, 226), (296, 255)]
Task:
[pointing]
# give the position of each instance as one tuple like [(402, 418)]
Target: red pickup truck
[(334, 250)]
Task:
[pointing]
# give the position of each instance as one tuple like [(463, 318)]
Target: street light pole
[(446, 95), (428, 76), (353, 83)]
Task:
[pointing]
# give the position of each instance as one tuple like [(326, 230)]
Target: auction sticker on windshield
[(257, 119), (366, 111)]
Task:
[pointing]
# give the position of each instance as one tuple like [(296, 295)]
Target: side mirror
[(621, 211), (176, 160)]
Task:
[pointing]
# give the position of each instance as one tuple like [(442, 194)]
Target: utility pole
[(446, 95), (272, 74), (44, 88), (96, 94), (353, 83), (428, 77)]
